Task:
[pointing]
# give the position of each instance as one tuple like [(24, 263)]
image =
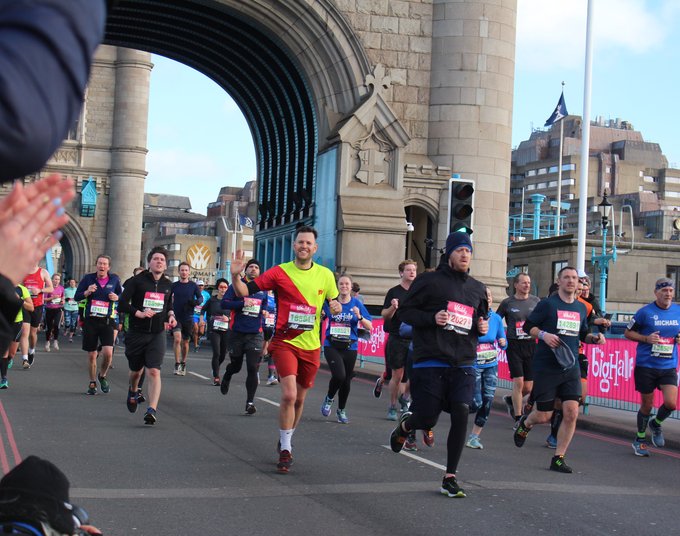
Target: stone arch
[(76, 244), (422, 212)]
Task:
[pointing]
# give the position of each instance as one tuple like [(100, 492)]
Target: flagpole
[(558, 230), (233, 236), (585, 145)]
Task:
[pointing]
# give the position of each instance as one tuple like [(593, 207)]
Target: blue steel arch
[(258, 71)]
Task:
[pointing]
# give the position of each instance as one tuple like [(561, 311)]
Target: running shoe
[(474, 443), (4, 384), (182, 369), (450, 488), (104, 384), (410, 443), (140, 397), (428, 438), (404, 403), (515, 424), (551, 442), (176, 369), (392, 413), (47, 346), (559, 465), (326, 406), (216, 381), (640, 448), (398, 436), (508, 405), (56, 345), (31, 357), (285, 461), (92, 389), (150, 416), (657, 433), (132, 401), (10, 363), (224, 386), (25, 364), (272, 380), (521, 433), (342, 416), (377, 390), (250, 408)]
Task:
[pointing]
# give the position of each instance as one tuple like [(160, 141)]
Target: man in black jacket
[(447, 309), (147, 299)]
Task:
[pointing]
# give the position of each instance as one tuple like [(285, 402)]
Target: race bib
[(302, 317), (220, 325), (269, 321), (663, 348), (568, 323), (340, 330), (56, 301), (99, 308), (251, 307), (34, 291), (154, 301), (486, 353), (198, 309), (460, 318), (519, 330)]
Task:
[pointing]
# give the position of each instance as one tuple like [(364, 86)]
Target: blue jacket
[(47, 48), (100, 295)]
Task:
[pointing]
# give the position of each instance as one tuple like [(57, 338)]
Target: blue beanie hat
[(456, 240)]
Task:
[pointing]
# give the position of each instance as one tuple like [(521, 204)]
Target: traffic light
[(461, 204)]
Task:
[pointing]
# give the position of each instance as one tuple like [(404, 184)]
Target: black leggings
[(341, 363), (457, 433), (252, 362), (218, 341), (52, 320)]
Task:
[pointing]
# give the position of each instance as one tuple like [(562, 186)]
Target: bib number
[(663, 348), (302, 317), (460, 318), (251, 307), (154, 301), (99, 309)]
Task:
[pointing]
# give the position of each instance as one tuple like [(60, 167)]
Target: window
[(568, 167), (556, 267), (541, 185), (531, 187), (568, 182), (173, 263), (673, 180), (516, 191), (521, 268), (542, 171), (531, 173), (552, 169), (673, 272), (552, 184)]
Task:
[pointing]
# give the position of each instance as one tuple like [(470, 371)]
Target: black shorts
[(548, 385), (96, 333), (186, 327), (144, 350), (241, 343), (647, 379), (16, 331), (520, 357), (436, 389), (35, 316), (396, 351), (583, 365)]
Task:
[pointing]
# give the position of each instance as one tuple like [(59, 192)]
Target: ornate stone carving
[(65, 157)]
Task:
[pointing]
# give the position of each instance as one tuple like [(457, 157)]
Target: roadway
[(206, 468)]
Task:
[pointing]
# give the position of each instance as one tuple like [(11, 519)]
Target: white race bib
[(302, 317), (154, 301), (460, 318), (251, 307), (99, 309)]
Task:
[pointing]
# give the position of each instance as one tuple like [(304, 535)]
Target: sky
[(197, 134)]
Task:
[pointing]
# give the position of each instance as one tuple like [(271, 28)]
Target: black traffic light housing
[(461, 204)]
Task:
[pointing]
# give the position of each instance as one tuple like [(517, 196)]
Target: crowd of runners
[(441, 353)]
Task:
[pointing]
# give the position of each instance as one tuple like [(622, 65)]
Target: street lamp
[(602, 261)]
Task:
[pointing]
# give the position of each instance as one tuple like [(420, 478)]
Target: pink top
[(58, 301)]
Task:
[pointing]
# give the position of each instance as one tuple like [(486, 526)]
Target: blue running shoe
[(640, 448), (551, 442), (342, 416), (392, 413), (657, 433), (4, 384), (326, 406)]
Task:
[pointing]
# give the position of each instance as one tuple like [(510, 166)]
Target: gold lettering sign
[(199, 256)]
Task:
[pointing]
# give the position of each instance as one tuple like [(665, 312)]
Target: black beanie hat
[(457, 239)]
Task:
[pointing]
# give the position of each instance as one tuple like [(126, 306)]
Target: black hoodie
[(137, 290), (432, 292)]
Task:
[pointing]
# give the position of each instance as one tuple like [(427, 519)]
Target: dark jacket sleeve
[(9, 307), (46, 49), (416, 307)]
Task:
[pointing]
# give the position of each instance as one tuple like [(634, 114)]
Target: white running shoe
[(56, 345)]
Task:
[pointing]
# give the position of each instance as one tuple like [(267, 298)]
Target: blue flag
[(245, 221), (559, 113)]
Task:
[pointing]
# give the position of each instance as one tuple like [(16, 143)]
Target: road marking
[(418, 459), (268, 401), (198, 375), (10, 440)]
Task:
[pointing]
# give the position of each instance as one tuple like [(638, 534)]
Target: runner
[(101, 291), (38, 283), (558, 322), (515, 310), (486, 373), (396, 348), (302, 287), (125, 321), (185, 296), (218, 328), (147, 299), (656, 329), (268, 330), (19, 331), (447, 309), (245, 338), (199, 316), (340, 346), (70, 309), (54, 308)]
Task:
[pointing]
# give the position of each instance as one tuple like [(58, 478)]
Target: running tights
[(52, 320), (218, 341), (252, 360), (341, 363)]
